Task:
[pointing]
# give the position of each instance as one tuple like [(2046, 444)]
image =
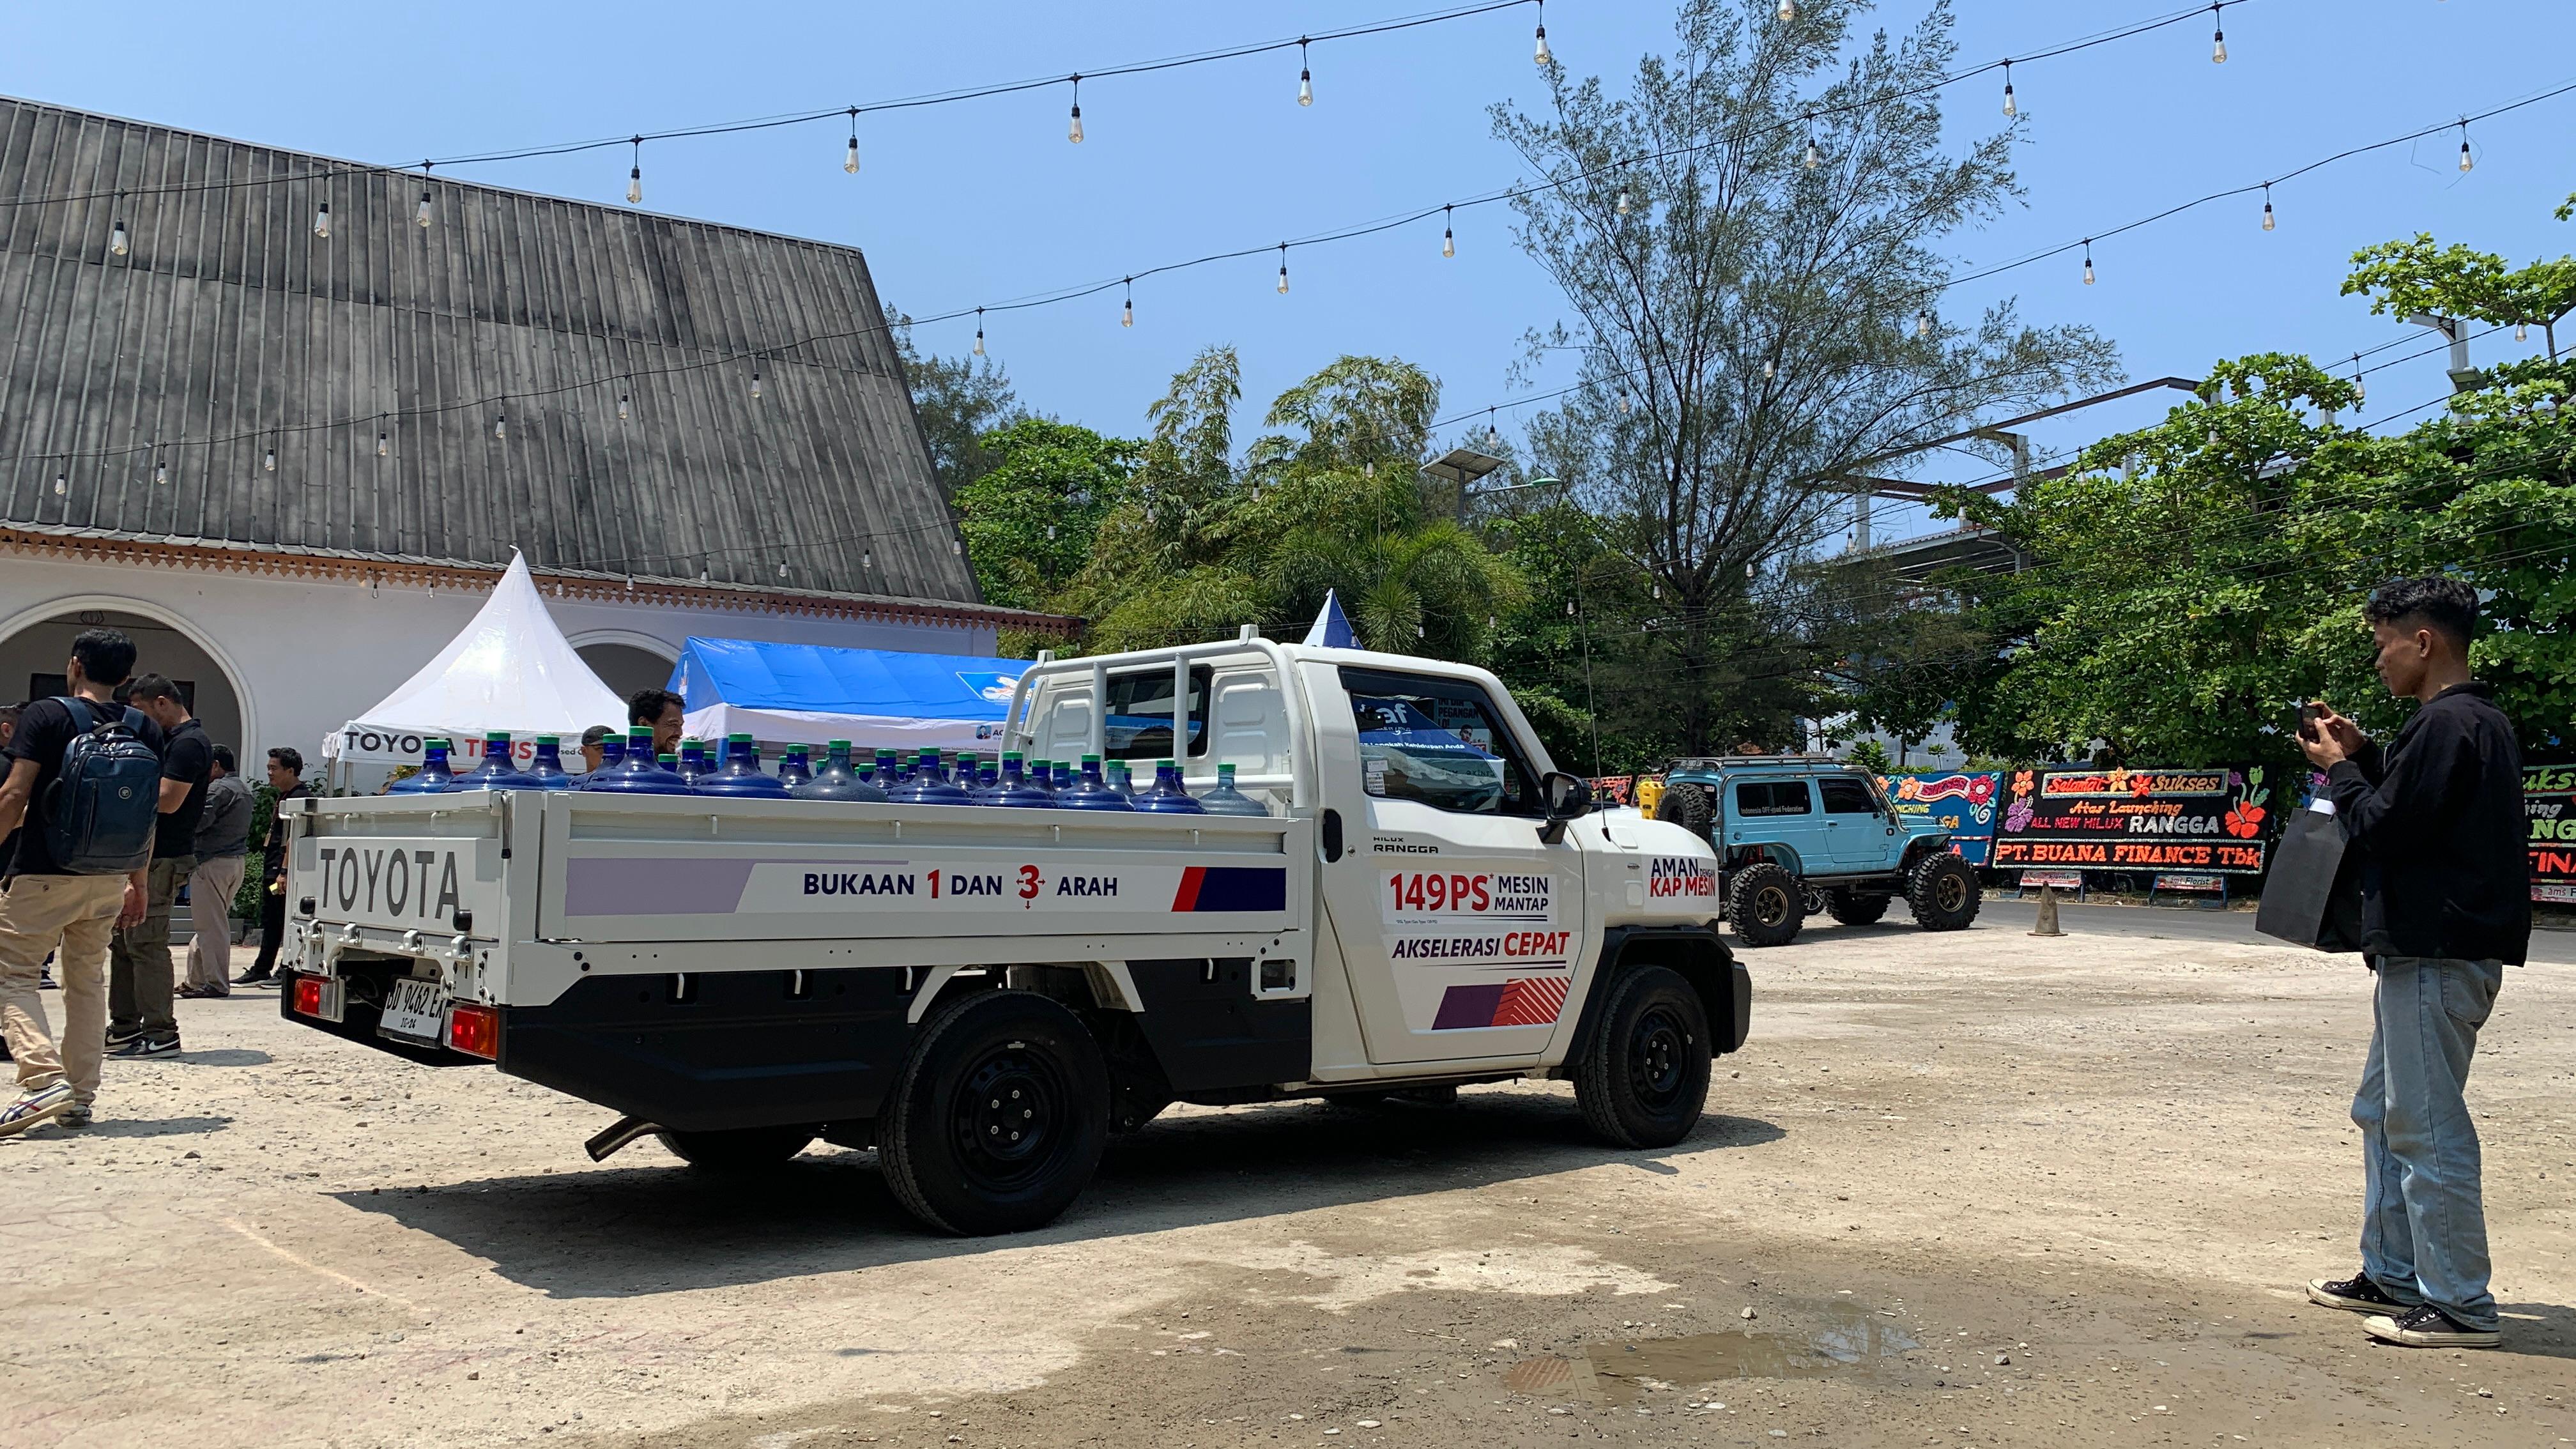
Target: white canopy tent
[(510, 669)]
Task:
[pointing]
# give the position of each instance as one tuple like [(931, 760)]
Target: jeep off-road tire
[(998, 1118), (1763, 906), (1691, 807), (1943, 892), (741, 1150), (1643, 1079), (1853, 908)]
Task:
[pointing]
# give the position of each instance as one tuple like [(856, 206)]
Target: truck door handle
[(1332, 836)]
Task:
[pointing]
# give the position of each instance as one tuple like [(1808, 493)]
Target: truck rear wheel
[(1943, 892), (1644, 1078), (1687, 806), (747, 1149), (1764, 906), (1853, 908), (999, 1117)]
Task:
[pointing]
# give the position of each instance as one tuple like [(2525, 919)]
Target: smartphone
[(2309, 714)]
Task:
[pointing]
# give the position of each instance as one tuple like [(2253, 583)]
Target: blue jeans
[(2423, 1227)]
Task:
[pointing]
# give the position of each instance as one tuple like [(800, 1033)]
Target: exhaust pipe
[(617, 1134)]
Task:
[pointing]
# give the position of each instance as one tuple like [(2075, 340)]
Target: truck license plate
[(417, 1010)]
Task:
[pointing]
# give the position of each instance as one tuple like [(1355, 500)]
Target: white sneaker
[(35, 1108)]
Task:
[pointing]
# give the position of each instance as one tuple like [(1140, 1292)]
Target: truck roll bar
[(1018, 721)]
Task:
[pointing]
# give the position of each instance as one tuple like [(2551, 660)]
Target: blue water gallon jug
[(794, 767), (693, 759), (1227, 800), (1091, 792), (834, 779), (636, 771), (497, 772), (547, 769), (434, 777), (1167, 795), (1013, 787), (928, 785), (740, 774)]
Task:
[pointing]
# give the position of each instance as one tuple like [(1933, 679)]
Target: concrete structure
[(293, 463)]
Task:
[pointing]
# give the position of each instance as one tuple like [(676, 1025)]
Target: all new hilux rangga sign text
[(2122, 819)]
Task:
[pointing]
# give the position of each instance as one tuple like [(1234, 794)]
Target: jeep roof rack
[(1748, 762)]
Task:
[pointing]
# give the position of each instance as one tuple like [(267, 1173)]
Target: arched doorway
[(624, 661), (34, 646)]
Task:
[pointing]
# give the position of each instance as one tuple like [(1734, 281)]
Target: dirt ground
[(1979, 1189)]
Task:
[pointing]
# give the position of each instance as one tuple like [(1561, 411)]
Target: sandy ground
[(1979, 1189)]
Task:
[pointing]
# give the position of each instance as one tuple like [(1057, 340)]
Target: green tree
[(1753, 243), (1030, 521), (958, 400)]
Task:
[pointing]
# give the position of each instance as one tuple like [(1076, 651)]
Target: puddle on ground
[(1848, 1340)]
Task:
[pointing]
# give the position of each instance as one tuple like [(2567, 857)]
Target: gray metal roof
[(229, 328)]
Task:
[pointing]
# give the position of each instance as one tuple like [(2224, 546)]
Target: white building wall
[(305, 656)]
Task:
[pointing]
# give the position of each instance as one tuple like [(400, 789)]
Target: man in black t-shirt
[(46, 909), (139, 1020), (286, 777)]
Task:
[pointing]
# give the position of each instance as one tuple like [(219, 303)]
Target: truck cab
[(1429, 902), (1793, 827)]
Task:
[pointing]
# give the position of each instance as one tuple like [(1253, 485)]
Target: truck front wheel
[(1943, 892), (1644, 1078), (999, 1117), (747, 1149), (1764, 905)]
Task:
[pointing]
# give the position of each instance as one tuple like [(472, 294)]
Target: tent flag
[(813, 694), (510, 669), (1332, 627)]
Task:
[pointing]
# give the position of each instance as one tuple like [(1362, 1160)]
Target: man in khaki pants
[(223, 840), (47, 909)]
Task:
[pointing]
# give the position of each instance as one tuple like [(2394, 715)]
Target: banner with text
[(1963, 804), (2549, 805), (2145, 820)]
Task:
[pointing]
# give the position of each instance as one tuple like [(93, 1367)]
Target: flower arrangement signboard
[(1961, 803), (2147, 820), (2549, 805)]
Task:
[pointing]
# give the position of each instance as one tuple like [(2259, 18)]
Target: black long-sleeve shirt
[(2438, 817)]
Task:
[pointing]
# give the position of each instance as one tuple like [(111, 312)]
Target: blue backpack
[(100, 811)]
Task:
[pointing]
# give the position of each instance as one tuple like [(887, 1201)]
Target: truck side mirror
[(1567, 798)]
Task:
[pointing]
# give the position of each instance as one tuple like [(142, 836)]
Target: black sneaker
[(2356, 1294), (146, 1046), (252, 977), (45, 982), (119, 1038), (2425, 1326)]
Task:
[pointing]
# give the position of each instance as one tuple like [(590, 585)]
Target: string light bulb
[(1814, 157), (2267, 206), (1305, 77), (421, 214), (1073, 133), (117, 242), (501, 427), (2218, 37), (1769, 371), (322, 220), (755, 384), (850, 159), (1623, 401), (956, 549), (625, 406), (1448, 236), (2466, 162), (2088, 261), (1127, 313), (1923, 323), (635, 175), (1283, 269), (1620, 205), (384, 445), (2360, 390), (1540, 55), (868, 558), (62, 484), (2522, 332), (160, 471), (2011, 107), (979, 332), (1788, 11)]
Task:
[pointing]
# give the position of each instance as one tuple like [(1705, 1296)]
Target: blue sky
[(986, 201)]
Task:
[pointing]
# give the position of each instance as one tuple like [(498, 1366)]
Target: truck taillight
[(475, 1031), (316, 997)]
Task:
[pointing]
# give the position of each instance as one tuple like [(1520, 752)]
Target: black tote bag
[(2313, 895)]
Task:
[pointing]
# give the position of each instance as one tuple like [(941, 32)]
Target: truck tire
[(1943, 892), (998, 1118), (1644, 1078), (1764, 907), (1688, 806), (1852, 908), (743, 1150)]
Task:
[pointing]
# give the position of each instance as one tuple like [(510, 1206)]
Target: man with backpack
[(84, 781), (140, 1021)]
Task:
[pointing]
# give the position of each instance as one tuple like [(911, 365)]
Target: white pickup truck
[(983, 994)]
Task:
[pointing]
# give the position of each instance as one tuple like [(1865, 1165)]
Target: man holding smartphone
[(2437, 817)]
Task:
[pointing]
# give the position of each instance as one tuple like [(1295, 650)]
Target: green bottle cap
[(688, 740), (1091, 759), (639, 734), (550, 739), (497, 737), (737, 739), (836, 744), (1225, 773), (668, 759), (1010, 757), (1162, 764)]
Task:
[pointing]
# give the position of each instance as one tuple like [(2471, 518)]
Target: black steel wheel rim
[(1771, 905), (1658, 1058), (1949, 892), (1010, 1117)]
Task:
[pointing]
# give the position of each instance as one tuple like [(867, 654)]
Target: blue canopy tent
[(811, 694)]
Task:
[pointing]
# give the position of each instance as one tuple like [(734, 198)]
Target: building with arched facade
[(284, 420)]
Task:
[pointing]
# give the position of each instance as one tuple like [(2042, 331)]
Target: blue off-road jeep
[(1794, 832)]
